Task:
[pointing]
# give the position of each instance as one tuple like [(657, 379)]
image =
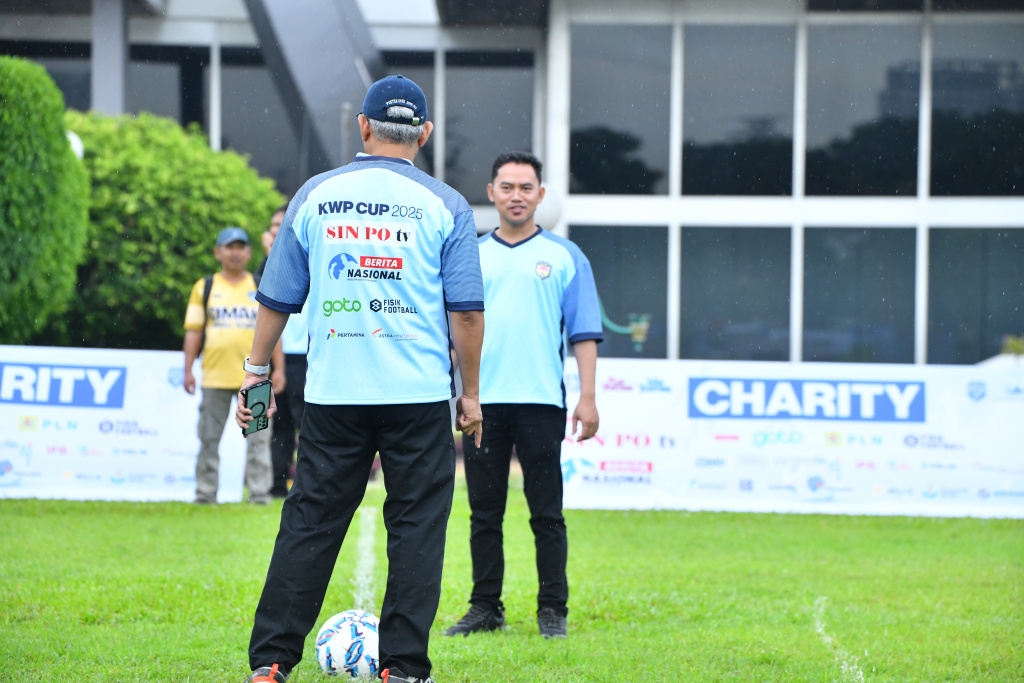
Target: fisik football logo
[(388, 234), (391, 306), (369, 267)]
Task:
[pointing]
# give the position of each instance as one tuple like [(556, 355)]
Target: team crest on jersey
[(543, 269)]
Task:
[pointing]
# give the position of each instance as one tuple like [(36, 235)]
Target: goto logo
[(343, 306), (772, 438)]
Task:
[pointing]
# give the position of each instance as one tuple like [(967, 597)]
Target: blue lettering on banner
[(727, 398), (63, 385)]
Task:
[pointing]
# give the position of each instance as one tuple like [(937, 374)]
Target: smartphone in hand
[(257, 399)]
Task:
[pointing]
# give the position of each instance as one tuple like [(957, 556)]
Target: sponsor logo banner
[(812, 437), (62, 385)]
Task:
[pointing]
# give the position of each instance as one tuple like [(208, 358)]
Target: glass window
[(254, 122), (735, 294), (154, 87), (631, 271), (978, 110), (866, 5), (862, 97), (489, 111), (976, 5), (74, 79), (419, 66), (975, 292), (738, 110), (620, 109), (859, 295)]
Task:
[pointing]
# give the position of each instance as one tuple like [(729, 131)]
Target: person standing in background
[(538, 290), (290, 400), (219, 323)]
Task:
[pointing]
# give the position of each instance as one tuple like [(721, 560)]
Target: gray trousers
[(214, 411)]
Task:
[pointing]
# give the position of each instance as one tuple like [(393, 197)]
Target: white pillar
[(924, 175), (216, 114), (109, 56)]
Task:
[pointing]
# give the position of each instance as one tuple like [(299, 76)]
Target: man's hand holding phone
[(256, 404)]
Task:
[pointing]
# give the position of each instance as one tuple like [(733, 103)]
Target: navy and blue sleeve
[(580, 307), (460, 266)]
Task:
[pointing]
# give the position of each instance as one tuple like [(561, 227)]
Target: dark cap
[(229, 235), (395, 91)]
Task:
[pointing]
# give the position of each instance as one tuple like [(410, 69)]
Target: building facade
[(788, 180)]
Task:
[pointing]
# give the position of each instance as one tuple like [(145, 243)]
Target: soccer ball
[(347, 645)]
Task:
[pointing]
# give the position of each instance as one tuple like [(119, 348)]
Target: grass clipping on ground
[(166, 592)]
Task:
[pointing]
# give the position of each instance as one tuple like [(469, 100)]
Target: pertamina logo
[(386, 234), (365, 268)]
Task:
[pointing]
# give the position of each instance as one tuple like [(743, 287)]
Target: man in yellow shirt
[(219, 322)]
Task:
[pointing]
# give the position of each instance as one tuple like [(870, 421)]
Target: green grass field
[(166, 592)]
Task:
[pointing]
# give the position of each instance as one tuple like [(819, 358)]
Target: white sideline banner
[(809, 437), (103, 424)]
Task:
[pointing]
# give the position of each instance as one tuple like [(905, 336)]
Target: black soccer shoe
[(551, 623), (478, 619), (396, 676), (267, 674)]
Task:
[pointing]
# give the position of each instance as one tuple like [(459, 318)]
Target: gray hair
[(396, 133)]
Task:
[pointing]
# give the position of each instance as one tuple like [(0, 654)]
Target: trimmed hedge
[(44, 193), (159, 197)]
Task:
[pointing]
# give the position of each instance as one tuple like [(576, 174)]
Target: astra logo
[(78, 386), (343, 306), (390, 234), (815, 400)]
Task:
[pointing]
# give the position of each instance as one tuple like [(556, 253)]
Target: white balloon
[(76, 144)]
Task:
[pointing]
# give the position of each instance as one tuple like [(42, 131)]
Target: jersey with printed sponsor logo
[(537, 292), (229, 319), (380, 252)]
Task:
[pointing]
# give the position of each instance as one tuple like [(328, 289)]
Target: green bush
[(159, 197), (44, 193)]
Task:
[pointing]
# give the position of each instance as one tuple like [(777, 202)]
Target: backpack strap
[(207, 288)]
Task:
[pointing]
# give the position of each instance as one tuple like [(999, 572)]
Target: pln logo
[(815, 484)]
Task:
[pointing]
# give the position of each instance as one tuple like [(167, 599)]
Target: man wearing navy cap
[(219, 322), (386, 259)]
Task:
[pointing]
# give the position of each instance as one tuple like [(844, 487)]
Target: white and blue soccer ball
[(347, 645)]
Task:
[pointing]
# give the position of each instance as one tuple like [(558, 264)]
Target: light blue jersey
[(534, 291), (295, 338), (382, 252)]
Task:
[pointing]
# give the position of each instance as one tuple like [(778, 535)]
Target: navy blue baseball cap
[(395, 91), (229, 235)]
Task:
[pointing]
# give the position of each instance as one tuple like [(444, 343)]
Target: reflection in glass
[(620, 109), (489, 111), (154, 87), (631, 271), (254, 122), (859, 295), (863, 85), (418, 66), (975, 292), (735, 294), (738, 110), (865, 5), (978, 110), (73, 77), (976, 5)]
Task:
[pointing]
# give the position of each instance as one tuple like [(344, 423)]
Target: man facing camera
[(535, 286)]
